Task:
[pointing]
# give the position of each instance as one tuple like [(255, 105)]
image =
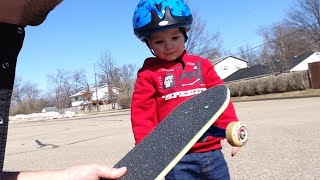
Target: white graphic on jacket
[(186, 78), (168, 81)]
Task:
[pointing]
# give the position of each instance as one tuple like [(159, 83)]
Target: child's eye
[(158, 42), (175, 37)]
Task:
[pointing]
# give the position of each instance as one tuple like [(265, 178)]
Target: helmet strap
[(184, 32), (147, 43)]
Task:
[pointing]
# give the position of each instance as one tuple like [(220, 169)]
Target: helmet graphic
[(151, 16)]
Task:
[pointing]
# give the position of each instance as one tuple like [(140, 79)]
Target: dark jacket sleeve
[(11, 40)]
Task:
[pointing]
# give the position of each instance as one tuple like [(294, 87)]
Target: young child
[(163, 80)]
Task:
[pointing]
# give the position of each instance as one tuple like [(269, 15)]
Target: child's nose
[(168, 45)]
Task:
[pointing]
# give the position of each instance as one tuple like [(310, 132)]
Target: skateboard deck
[(166, 144)]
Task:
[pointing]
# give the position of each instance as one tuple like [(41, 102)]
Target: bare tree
[(26, 98), (127, 79), (79, 79), (16, 97), (247, 53), (202, 43), (65, 83), (281, 42), (305, 15), (109, 74)]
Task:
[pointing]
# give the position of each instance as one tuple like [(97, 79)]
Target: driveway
[(284, 139)]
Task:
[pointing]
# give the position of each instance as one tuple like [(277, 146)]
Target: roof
[(220, 59), (252, 71), (263, 69), (298, 59), (78, 93)]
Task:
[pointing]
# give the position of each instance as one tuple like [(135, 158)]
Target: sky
[(77, 33)]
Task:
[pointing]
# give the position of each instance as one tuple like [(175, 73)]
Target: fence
[(89, 109), (314, 72)]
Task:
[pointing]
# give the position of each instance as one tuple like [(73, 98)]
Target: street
[(283, 141)]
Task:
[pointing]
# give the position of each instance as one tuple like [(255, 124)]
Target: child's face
[(168, 44)]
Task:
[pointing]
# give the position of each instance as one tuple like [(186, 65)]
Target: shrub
[(281, 83), (124, 102), (271, 84)]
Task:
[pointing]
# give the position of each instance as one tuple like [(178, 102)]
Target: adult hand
[(92, 172), (26, 12), (80, 172)]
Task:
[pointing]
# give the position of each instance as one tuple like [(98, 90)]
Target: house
[(301, 62), (228, 65), (77, 99), (50, 109), (297, 63), (100, 93)]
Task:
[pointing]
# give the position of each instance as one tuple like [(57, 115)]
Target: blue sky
[(77, 33)]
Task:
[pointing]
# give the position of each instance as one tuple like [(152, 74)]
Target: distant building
[(100, 93), (300, 63), (297, 63), (50, 109), (228, 65)]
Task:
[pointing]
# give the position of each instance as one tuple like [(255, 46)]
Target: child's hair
[(151, 16)]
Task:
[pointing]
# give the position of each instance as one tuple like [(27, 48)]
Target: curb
[(275, 98)]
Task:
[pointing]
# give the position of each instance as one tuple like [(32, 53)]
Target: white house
[(98, 93), (296, 63), (77, 99), (303, 64), (228, 65)]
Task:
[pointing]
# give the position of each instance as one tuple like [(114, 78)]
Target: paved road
[(284, 141)]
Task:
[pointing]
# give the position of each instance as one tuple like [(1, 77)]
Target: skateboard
[(167, 143)]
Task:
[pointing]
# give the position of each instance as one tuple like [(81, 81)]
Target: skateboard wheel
[(237, 134)]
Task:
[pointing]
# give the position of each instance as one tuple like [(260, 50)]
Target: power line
[(275, 39)]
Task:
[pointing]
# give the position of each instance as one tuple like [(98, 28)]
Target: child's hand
[(234, 149)]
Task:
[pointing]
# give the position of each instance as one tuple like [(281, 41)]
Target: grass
[(292, 94)]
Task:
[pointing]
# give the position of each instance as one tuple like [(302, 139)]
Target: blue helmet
[(151, 16)]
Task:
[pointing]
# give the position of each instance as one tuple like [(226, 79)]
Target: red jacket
[(162, 85)]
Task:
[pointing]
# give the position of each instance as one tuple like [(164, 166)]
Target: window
[(237, 67), (225, 68)]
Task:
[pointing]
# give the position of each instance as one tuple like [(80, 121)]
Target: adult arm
[(83, 172), (26, 12), (14, 16)]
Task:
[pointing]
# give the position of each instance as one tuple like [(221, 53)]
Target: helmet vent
[(163, 23), (158, 6)]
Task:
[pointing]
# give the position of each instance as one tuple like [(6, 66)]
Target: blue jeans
[(209, 165)]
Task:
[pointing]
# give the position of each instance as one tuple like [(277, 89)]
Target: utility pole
[(95, 82)]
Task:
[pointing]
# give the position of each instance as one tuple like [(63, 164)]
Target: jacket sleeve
[(11, 41), (143, 107), (213, 79)]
